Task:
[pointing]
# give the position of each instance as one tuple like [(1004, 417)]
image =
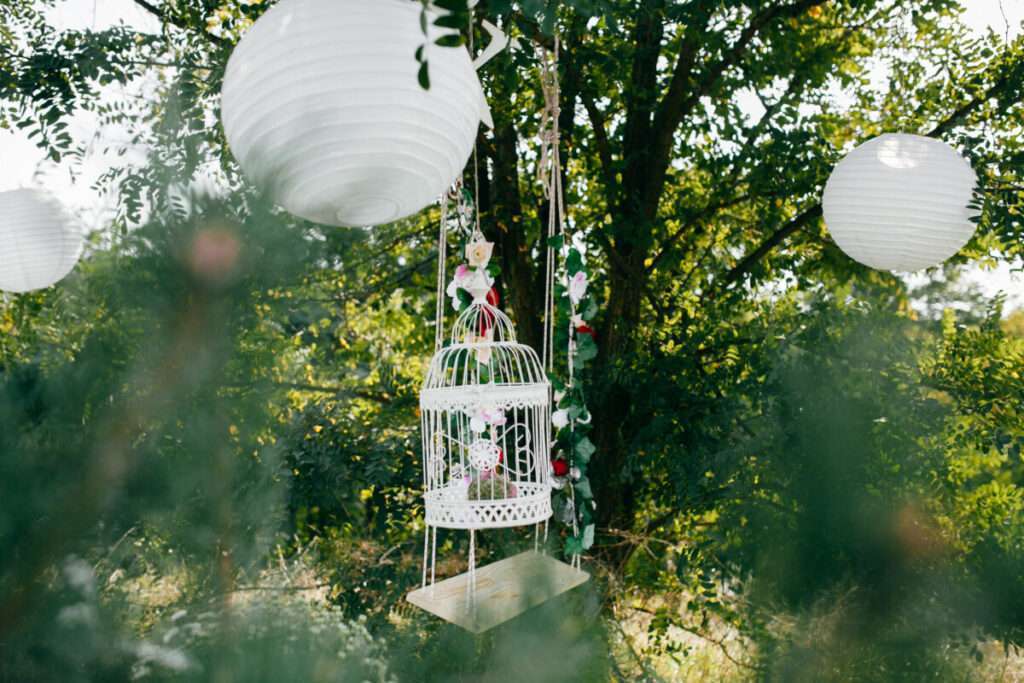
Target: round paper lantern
[(899, 202), (40, 241), (322, 108)]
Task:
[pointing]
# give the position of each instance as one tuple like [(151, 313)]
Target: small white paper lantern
[(900, 202), (322, 107), (40, 241)]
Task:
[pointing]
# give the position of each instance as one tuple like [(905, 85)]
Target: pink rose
[(577, 287)]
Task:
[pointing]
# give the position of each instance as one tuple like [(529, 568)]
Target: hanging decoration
[(40, 241), (568, 310), (901, 202), (322, 108), (486, 424), (487, 433), (485, 409)]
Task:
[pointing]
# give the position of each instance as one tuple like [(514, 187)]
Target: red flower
[(493, 298), (586, 329), (486, 321), (561, 467), (501, 456)]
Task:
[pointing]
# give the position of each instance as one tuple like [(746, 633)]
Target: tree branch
[(1006, 77), (681, 99), (641, 100), (706, 212), (777, 238), (164, 15), (604, 148)]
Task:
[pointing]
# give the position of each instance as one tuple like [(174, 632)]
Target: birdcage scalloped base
[(446, 510)]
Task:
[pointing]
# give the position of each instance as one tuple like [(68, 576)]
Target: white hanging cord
[(550, 173), (433, 555), (426, 554), (478, 234), (471, 584), (549, 170), (442, 264)]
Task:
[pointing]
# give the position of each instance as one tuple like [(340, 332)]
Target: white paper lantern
[(899, 202), (40, 241), (322, 107)]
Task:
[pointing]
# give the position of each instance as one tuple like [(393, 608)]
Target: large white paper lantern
[(322, 107), (900, 202), (40, 241)]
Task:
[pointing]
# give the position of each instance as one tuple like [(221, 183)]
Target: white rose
[(560, 419), (479, 253), (477, 425)]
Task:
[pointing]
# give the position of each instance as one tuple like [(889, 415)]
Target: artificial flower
[(578, 287), (477, 425), (586, 329), (492, 297), (483, 344), (459, 281), (560, 418), (492, 416), (479, 253), (560, 467)]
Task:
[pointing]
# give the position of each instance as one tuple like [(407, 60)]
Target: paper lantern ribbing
[(322, 108), (900, 202), (40, 241)]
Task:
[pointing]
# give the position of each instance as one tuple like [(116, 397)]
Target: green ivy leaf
[(588, 537), (584, 450), (573, 262), (586, 348)]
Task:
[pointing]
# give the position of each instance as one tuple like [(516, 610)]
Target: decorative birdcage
[(486, 420)]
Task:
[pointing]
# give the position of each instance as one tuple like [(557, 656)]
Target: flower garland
[(574, 502)]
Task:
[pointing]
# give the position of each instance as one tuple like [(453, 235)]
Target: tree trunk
[(613, 397)]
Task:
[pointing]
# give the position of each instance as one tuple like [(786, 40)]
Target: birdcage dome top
[(484, 365)]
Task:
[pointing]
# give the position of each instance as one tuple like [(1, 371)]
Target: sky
[(23, 165)]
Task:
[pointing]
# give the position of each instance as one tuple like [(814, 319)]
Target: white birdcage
[(486, 420)]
